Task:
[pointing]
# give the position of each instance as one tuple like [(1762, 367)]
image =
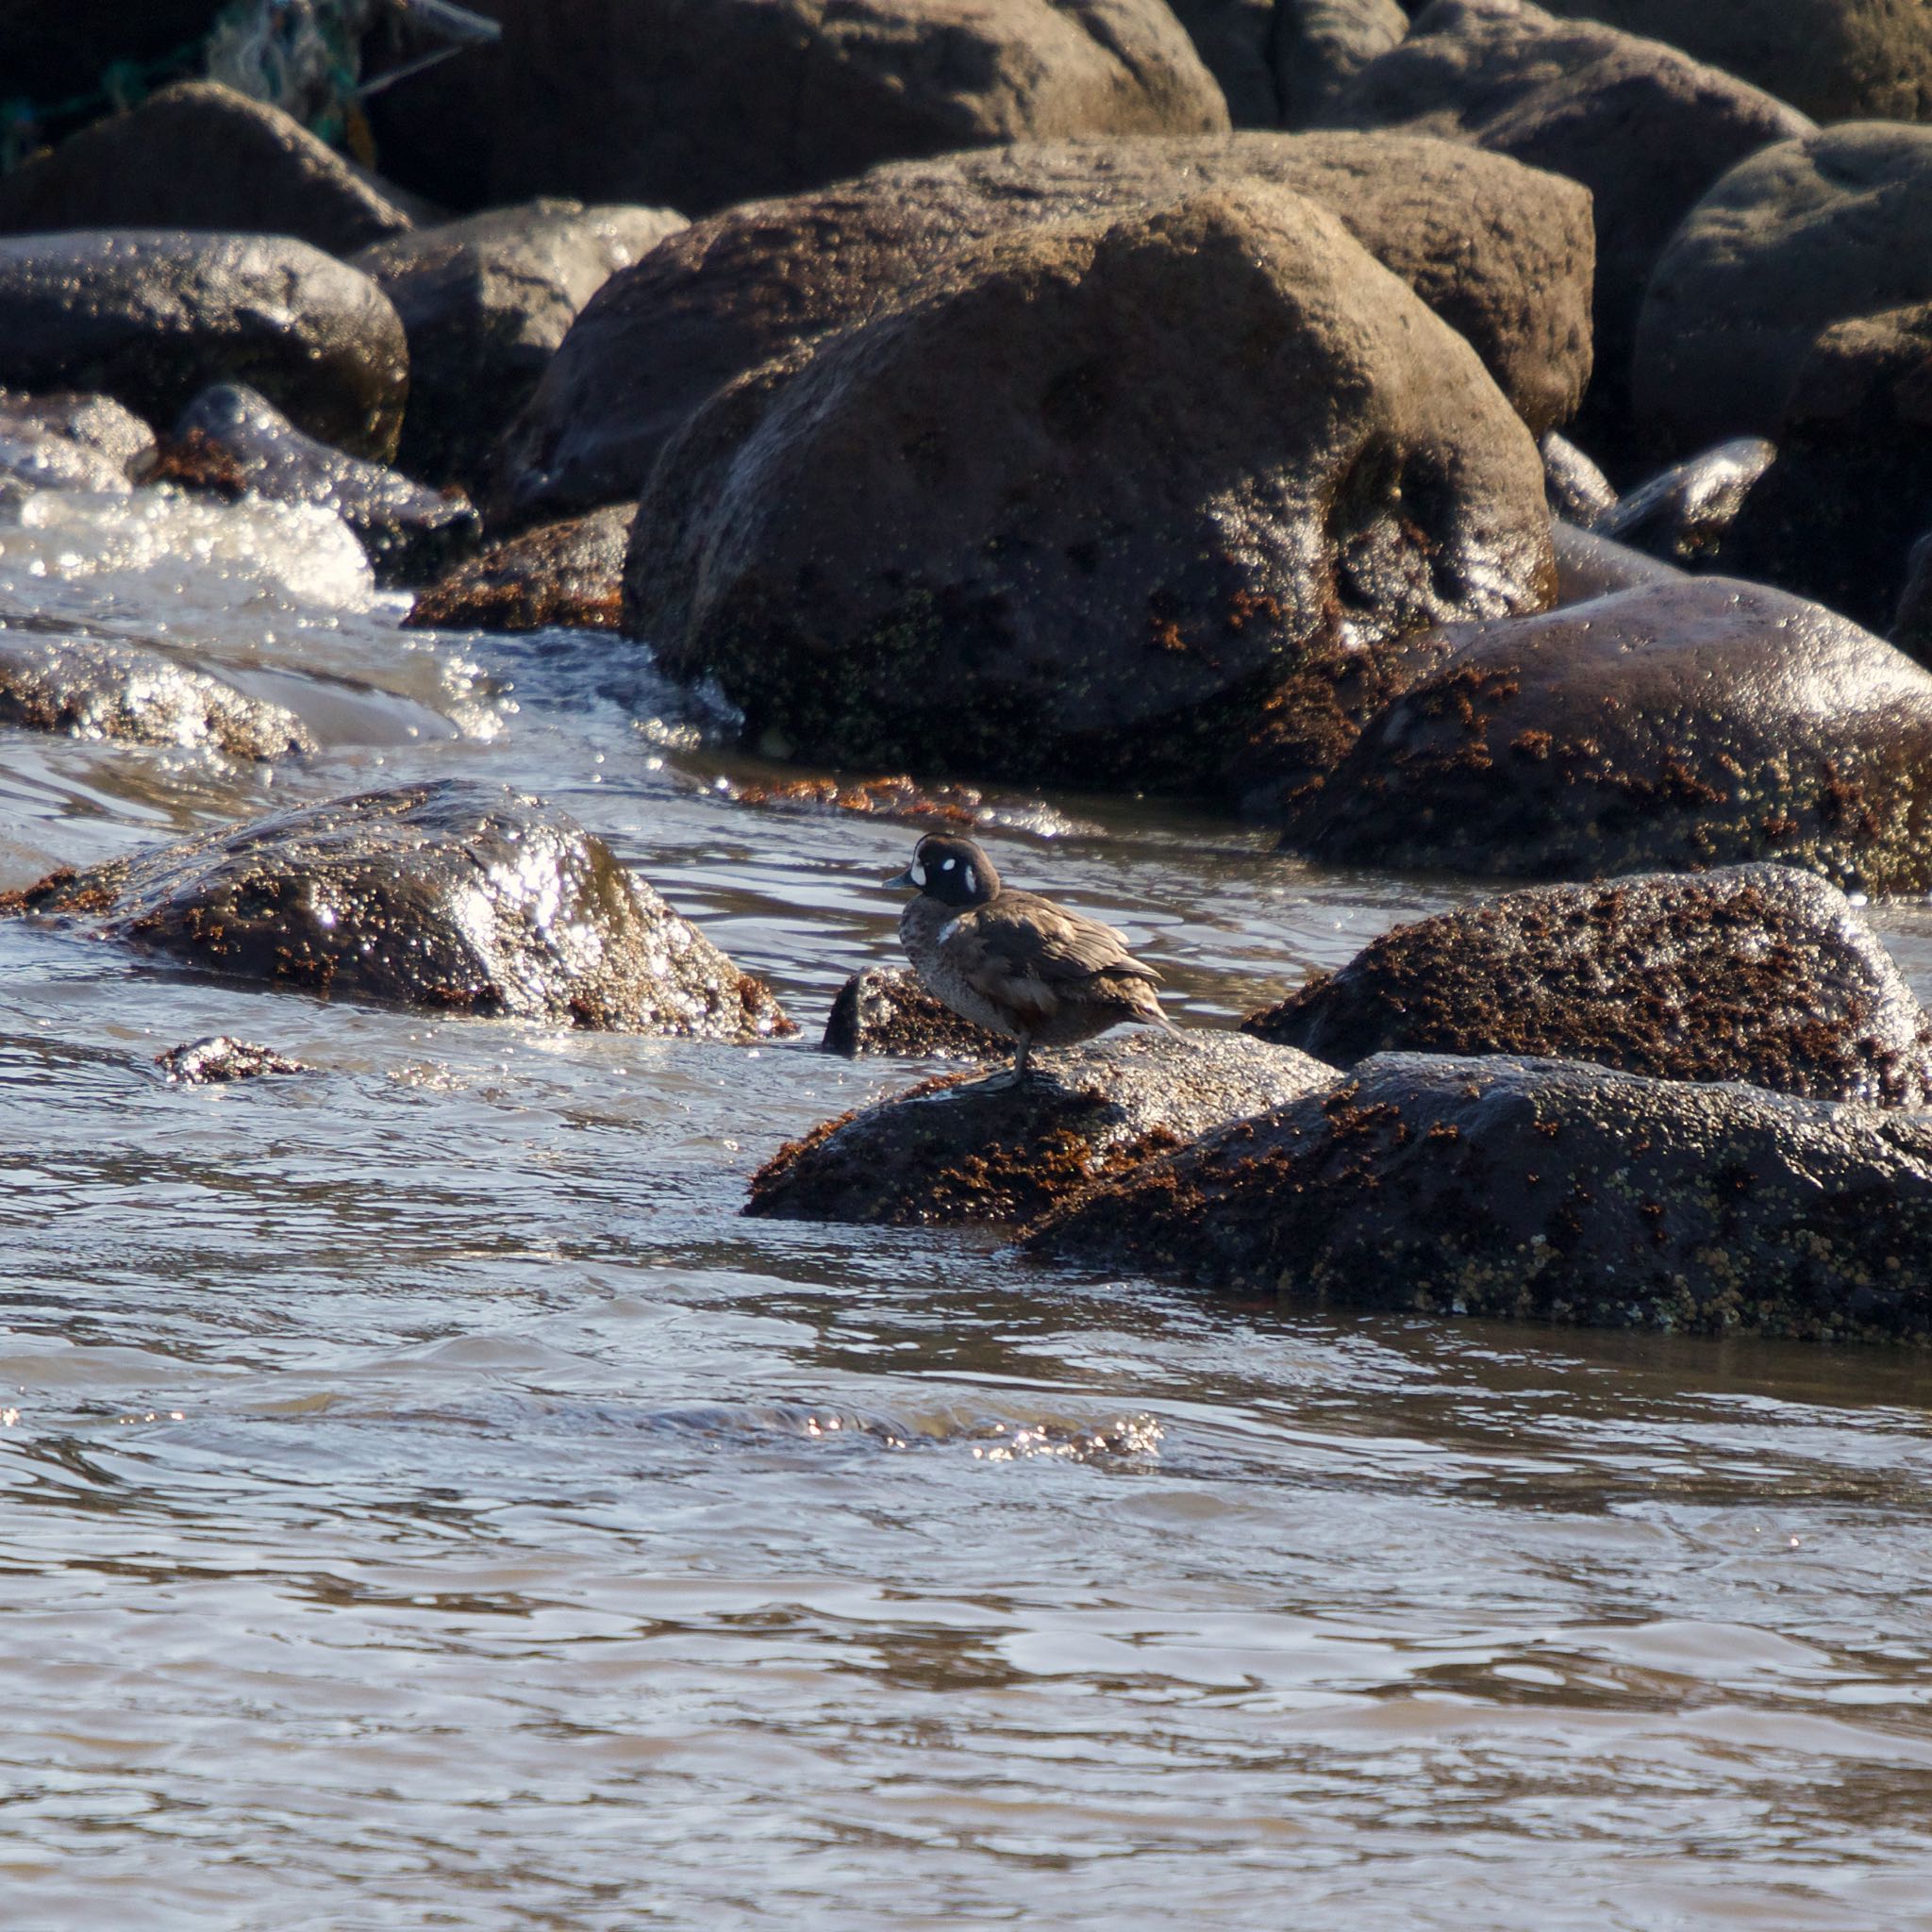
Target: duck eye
[(947, 864)]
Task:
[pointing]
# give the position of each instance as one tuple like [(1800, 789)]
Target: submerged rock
[(1502, 253), (966, 1149), (232, 439), (1544, 1190), (1681, 725), (1086, 517), (152, 316), (198, 155), (1755, 973), (461, 898), (89, 688), (484, 303), (892, 1012), (220, 1058), (69, 441), (568, 575), (1686, 514)]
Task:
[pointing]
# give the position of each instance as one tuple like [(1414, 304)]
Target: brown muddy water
[(424, 1502)]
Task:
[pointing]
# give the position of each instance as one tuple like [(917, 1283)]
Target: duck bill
[(901, 881)]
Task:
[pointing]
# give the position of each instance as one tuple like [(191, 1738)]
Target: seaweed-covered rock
[(892, 1012), (89, 688), (1685, 723), (1094, 496), (462, 897), (1803, 235), (232, 439), (1687, 514), (1502, 254), (1837, 59), (1544, 1190), (198, 155), (1835, 517), (67, 441), (568, 573), (1756, 973), (964, 1148), (220, 1058), (700, 103), (484, 303), (1645, 128), (152, 316)]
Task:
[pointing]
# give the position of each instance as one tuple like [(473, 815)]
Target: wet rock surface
[(1757, 973), (1686, 514), (1837, 59), (1094, 496), (568, 573), (1577, 490), (220, 1058), (1645, 128), (890, 1013), (1547, 1190), (198, 155), (153, 316), (1590, 566), (484, 302), (696, 107), (1835, 517), (457, 897), (1503, 254), (978, 1149), (1803, 235), (89, 688), (68, 441), (232, 439), (1692, 723)]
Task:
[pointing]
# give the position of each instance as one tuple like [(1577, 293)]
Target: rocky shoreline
[(1472, 438)]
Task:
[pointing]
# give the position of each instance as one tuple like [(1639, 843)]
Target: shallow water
[(426, 1503)]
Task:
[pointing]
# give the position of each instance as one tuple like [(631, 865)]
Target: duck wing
[(1022, 950)]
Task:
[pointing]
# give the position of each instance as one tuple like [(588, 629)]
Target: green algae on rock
[(965, 1149), (1755, 973), (1686, 724), (1542, 1189), (452, 896)]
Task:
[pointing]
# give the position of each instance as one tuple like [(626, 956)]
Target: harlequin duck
[(1016, 963)]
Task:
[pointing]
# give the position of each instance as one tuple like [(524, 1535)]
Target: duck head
[(952, 871)]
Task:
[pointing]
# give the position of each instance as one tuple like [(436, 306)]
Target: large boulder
[(1501, 253), (1279, 62), (89, 688), (153, 316), (1835, 517), (198, 155), (1803, 235), (568, 575), (233, 439), (456, 896), (698, 104), (1645, 129), (965, 1148), (1094, 496), (1544, 1190), (1691, 722), (1837, 59), (484, 303), (65, 439), (1756, 973)]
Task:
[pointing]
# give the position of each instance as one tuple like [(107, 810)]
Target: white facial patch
[(918, 874), (971, 878), (947, 864)]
